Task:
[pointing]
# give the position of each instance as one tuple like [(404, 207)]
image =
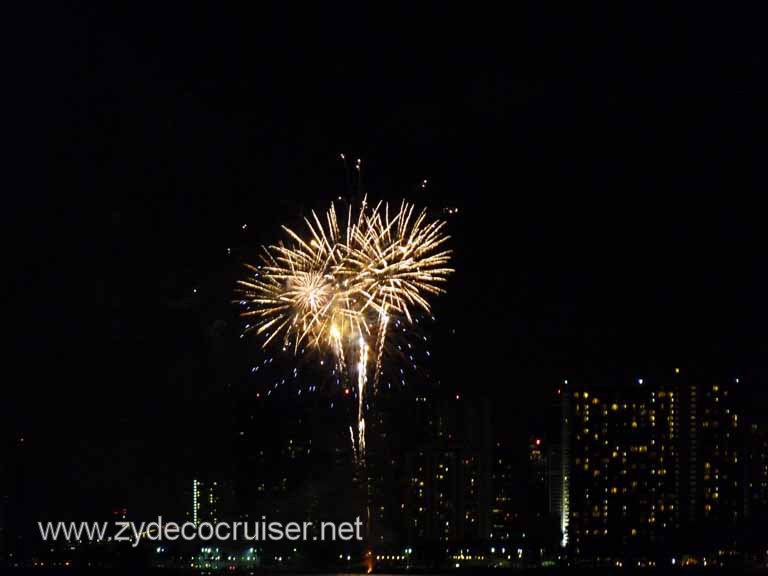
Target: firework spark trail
[(383, 324), (362, 377), (354, 450), (337, 346), (326, 289)]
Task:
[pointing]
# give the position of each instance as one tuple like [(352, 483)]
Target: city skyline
[(600, 175), (678, 473)]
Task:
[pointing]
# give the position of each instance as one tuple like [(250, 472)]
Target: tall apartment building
[(640, 467)]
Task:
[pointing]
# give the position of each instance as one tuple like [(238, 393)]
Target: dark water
[(469, 571)]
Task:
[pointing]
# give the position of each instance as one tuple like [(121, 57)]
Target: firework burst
[(336, 288)]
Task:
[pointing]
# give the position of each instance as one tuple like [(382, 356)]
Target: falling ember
[(383, 323), (362, 375), (336, 288)]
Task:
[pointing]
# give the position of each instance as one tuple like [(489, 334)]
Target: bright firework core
[(337, 288)]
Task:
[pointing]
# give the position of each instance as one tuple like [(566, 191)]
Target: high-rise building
[(712, 467), (721, 493), (503, 516), (756, 494), (383, 468), (624, 468), (208, 499), (538, 480), (642, 465), (276, 473), (756, 489), (447, 496), (560, 464)]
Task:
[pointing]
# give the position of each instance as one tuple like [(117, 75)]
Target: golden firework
[(337, 287)]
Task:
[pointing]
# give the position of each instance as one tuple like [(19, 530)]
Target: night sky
[(608, 165)]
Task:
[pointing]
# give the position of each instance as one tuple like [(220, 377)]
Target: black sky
[(608, 164)]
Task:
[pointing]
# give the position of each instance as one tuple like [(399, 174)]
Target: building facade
[(647, 468)]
